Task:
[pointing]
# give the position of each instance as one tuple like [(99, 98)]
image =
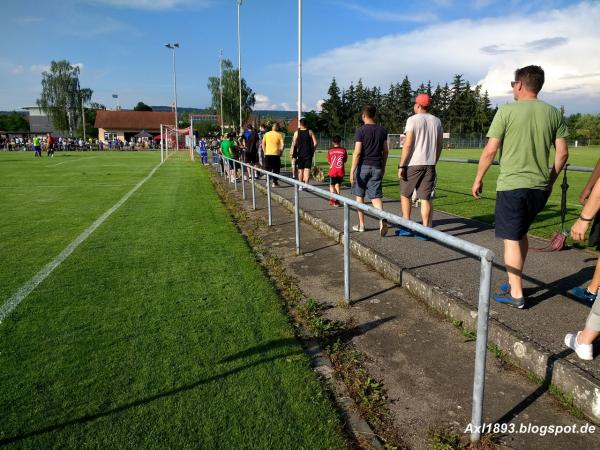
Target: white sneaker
[(383, 227), (359, 228), (300, 188), (584, 351)]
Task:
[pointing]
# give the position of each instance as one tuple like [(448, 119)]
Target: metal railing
[(484, 255)]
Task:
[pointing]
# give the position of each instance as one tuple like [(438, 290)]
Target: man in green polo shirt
[(227, 149), (522, 133)]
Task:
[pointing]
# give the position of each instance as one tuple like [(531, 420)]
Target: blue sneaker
[(403, 232), (504, 288), (511, 301), (581, 293)]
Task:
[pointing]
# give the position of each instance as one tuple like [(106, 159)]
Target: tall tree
[(62, 96), (231, 96), (141, 106), (332, 109)]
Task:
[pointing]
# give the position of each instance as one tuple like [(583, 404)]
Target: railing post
[(243, 184), (253, 188), (269, 199), (346, 253), (234, 174), (481, 347), (297, 217)]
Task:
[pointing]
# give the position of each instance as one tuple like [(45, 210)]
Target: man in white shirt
[(421, 152)]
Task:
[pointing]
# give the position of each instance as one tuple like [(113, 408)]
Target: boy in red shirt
[(336, 157)]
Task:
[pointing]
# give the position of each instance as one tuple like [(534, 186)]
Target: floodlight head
[(168, 45), (176, 45)]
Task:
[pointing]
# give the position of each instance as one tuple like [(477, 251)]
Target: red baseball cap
[(423, 99)]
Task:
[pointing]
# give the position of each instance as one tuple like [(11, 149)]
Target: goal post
[(169, 140)]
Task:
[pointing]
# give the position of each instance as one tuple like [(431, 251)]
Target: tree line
[(463, 108)]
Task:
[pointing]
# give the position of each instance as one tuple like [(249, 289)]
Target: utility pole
[(173, 47), (83, 119), (239, 3), (221, 87)]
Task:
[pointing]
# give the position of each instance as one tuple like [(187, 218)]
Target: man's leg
[(361, 215), (406, 205), (426, 212), (515, 253), (306, 175), (595, 283)]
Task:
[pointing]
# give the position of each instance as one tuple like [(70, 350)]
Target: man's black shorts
[(251, 157), (336, 180), (303, 162), (516, 210)]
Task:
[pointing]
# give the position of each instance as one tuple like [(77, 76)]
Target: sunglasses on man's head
[(512, 84)]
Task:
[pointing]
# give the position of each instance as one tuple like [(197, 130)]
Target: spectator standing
[(582, 341), (304, 144), (525, 130), (421, 152), (272, 145), (336, 157), (250, 147), (368, 165), (588, 294)]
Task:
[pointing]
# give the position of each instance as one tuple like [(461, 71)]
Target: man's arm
[(263, 144), (590, 209), (293, 144), (355, 158), (560, 159), (587, 190), (386, 152), (314, 140), (407, 149), (486, 160), (440, 142)]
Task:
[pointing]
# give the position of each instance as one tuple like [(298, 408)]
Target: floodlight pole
[(299, 61), (83, 120), (173, 47), (221, 86), (239, 3)]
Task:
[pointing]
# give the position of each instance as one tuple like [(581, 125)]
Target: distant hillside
[(8, 113)]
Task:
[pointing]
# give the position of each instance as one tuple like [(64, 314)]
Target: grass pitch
[(453, 192), (159, 331)]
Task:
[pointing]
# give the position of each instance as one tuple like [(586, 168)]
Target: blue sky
[(120, 46)]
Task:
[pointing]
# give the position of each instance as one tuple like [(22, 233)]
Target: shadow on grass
[(281, 343), (186, 387)]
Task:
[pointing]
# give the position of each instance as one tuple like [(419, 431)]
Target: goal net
[(395, 141), (174, 143)]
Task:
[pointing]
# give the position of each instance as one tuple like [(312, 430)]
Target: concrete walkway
[(449, 282)]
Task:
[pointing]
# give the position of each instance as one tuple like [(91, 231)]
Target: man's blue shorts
[(516, 210), (367, 181)]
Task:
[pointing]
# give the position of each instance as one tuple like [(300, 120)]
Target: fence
[(484, 255)]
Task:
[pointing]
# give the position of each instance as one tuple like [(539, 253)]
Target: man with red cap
[(421, 152)]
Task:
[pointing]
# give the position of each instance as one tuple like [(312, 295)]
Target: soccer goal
[(173, 143), (395, 141)]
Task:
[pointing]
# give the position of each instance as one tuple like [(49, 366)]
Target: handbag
[(558, 240)]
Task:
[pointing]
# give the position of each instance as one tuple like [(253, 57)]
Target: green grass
[(159, 331), (453, 193)]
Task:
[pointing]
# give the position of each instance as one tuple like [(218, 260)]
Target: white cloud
[(390, 16), (154, 4), (319, 105), (17, 69), (264, 103), (39, 68), (564, 42)]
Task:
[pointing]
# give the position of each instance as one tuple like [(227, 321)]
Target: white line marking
[(28, 287), (74, 160)]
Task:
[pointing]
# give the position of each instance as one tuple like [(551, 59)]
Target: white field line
[(84, 159), (28, 287)]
